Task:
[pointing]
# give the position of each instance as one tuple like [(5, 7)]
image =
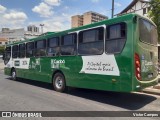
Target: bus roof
[(72, 30)]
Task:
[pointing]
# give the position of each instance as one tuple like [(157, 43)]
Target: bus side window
[(30, 49), (53, 47), (91, 42), (7, 55), (15, 51), (22, 50), (68, 44), (116, 38), (40, 48)]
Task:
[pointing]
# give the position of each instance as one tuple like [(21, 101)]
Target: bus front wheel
[(59, 83), (13, 74)]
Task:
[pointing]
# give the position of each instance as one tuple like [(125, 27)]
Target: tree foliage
[(1, 49), (155, 14)]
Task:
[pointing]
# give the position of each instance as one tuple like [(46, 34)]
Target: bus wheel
[(13, 74), (59, 83)]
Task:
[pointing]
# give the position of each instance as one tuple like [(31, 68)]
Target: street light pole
[(42, 27), (112, 8)]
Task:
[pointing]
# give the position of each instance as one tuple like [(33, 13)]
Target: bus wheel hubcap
[(59, 82)]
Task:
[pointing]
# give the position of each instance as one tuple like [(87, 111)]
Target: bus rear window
[(148, 32)]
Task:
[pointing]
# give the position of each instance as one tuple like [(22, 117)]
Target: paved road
[(26, 95)]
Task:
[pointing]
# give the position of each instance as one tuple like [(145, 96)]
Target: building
[(33, 29), (77, 21), (19, 34), (12, 35), (3, 41), (140, 7), (92, 17), (32, 32), (87, 18)]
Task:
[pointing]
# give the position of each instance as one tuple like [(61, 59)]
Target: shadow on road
[(130, 101)]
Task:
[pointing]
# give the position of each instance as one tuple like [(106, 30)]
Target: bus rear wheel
[(13, 74), (59, 83)]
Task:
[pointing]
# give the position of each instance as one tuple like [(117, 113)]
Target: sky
[(54, 14)]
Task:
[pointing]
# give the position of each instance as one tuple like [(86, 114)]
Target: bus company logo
[(59, 61), (56, 63)]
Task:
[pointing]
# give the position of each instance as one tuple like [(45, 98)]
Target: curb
[(152, 91)]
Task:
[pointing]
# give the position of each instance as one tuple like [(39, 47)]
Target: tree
[(1, 49), (154, 14)]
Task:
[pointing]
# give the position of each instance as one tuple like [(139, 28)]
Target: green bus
[(118, 54)]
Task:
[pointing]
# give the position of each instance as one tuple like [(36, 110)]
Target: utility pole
[(112, 8), (42, 27)]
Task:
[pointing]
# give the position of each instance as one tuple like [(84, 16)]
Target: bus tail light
[(137, 66)]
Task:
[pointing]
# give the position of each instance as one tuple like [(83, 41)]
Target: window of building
[(35, 29), (53, 46), (144, 11), (15, 51), (116, 37), (68, 44), (29, 28), (30, 49), (91, 42), (40, 48), (0, 43), (22, 50)]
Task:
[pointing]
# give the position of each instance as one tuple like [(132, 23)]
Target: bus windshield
[(148, 32)]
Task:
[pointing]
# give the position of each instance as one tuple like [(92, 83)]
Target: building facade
[(32, 32), (140, 7), (19, 34), (87, 18), (3, 41), (33, 29), (12, 35), (77, 21)]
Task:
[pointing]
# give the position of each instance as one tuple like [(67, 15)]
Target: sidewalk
[(153, 90)]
